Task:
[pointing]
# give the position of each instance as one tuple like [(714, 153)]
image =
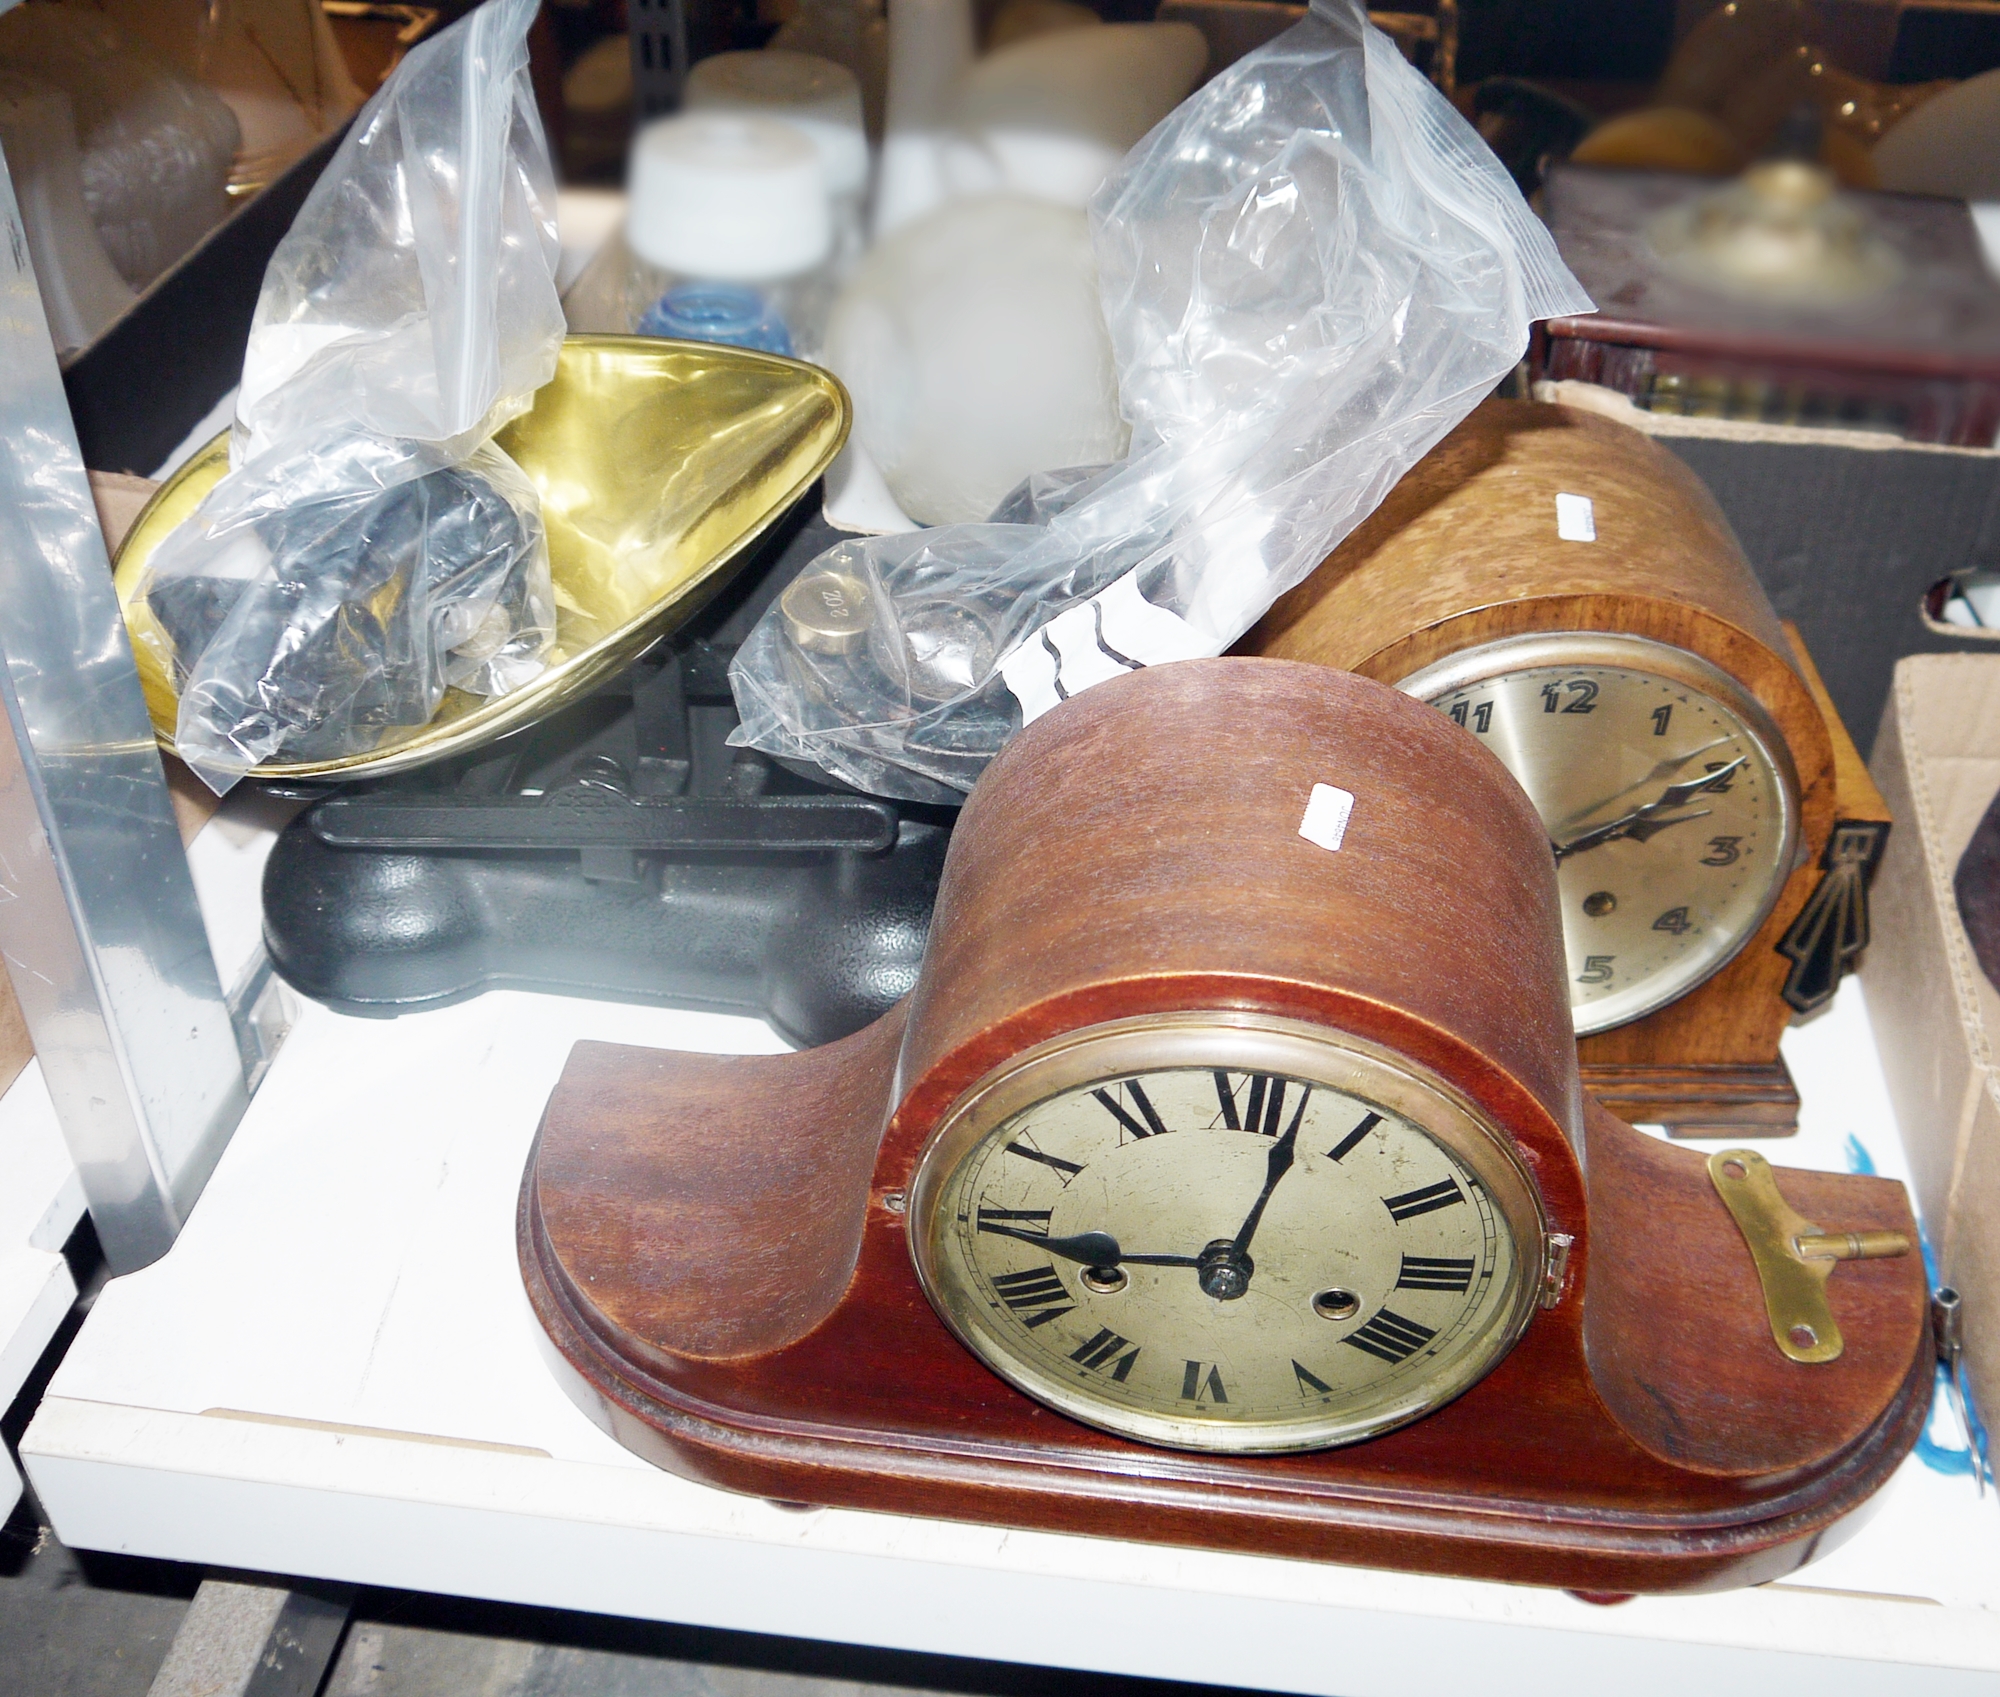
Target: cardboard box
[(1846, 530), (1936, 1015)]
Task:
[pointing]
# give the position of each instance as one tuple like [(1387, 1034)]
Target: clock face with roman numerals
[(1667, 793), (1258, 1256)]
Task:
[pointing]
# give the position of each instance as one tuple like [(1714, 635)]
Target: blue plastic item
[(717, 312)]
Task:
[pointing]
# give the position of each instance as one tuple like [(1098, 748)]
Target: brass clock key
[(1793, 1257)]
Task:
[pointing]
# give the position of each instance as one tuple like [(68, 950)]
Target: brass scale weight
[(1228, 1180)]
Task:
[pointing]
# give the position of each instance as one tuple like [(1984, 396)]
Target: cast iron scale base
[(622, 850)]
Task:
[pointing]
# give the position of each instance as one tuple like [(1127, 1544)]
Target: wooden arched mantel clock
[(1228, 1180), (1568, 591)]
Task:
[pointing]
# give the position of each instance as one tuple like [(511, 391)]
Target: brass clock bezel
[(1241, 1042), (1492, 660)]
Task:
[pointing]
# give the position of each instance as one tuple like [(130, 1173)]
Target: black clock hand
[(1662, 770), (1279, 1164), (1619, 827), (1679, 795), (1226, 1267), (1639, 827), (1092, 1249), (1645, 828), (1627, 825)]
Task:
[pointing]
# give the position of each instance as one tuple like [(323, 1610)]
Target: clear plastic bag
[(370, 547), (328, 624), (1311, 270)]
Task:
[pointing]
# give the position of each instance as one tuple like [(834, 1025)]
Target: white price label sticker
[(1327, 811), (1576, 518), (1117, 630)]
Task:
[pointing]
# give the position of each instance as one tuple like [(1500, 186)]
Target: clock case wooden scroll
[(718, 1248), (1465, 552)]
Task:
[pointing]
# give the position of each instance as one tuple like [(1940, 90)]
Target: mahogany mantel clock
[(1226, 1180), (1568, 591)]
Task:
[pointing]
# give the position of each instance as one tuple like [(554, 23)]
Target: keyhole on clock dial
[(1105, 1281), (1336, 1305)]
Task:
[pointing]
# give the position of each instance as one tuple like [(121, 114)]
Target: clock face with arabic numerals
[(1667, 793), (1219, 1234)]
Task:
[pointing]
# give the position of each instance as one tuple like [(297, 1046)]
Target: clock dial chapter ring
[(1395, 1219), (1669, 793)]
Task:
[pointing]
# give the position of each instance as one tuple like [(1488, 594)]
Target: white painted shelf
[(41, 1200), (335, 1373)]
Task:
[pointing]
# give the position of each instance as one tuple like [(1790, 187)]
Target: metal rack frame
[(99, 927)]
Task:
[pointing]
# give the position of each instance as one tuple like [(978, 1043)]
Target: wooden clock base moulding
[(753, 1321)]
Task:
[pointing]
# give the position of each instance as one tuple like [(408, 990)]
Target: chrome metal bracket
[(98, 922), (1948, 1329)]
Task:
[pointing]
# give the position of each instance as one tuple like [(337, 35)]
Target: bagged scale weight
[(324, 625)]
